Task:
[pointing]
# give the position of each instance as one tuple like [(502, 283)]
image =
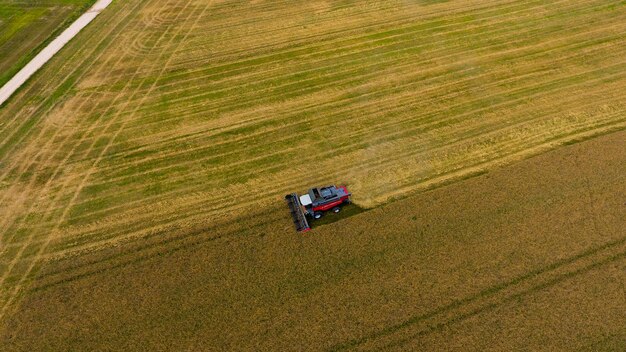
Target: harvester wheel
[(318, 215), (336, 209)]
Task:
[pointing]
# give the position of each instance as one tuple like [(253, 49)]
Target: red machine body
[(325, 205), (315, 203)]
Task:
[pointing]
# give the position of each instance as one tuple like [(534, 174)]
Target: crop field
[(526, 257), (25, 26), (170, 125)]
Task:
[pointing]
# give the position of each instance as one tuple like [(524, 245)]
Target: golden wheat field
[(175, 124), (526, 257)]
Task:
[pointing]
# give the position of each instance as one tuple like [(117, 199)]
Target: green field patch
[(26, 29)]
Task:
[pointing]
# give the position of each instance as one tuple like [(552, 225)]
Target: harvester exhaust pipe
[(297, 213)]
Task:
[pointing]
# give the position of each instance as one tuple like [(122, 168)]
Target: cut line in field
[(152, 130)]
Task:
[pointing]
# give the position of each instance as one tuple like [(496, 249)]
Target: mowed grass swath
[(25, 27), (180, 117)]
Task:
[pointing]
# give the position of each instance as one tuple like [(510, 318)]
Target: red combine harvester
[(315, 203)]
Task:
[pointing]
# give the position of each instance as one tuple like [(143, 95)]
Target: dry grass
[(167, 120)]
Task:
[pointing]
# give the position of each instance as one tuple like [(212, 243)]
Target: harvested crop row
[(188, 106), (527, 256)]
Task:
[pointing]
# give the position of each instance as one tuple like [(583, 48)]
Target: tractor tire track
[(520, 287), (18, 166), (16, 289)]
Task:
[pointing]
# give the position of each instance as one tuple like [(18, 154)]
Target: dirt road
[(49, 51)]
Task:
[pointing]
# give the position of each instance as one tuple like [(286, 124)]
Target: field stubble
[(531, 255), (189, 116)]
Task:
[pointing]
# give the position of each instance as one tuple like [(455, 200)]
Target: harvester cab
[(315, 203)]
